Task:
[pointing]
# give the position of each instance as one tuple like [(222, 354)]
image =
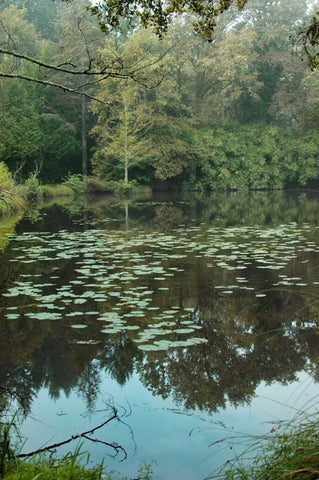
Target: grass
[(11, 202), (73, 466), (11, 195), (52, 191), (289, 452), (67, 468)]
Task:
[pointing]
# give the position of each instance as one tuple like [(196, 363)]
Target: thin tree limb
[(79, 435), (56, 68), (50, 84), (112, 445)]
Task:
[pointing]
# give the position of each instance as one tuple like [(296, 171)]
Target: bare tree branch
[(59, 68), (85, 434), (50, 84), (120, 71)]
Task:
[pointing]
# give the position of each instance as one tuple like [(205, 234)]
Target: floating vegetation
[(121, 280)]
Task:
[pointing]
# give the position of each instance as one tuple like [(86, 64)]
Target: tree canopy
[(159, 15), (237, 112)]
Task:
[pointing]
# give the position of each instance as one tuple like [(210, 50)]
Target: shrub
[(32, 187), (95, 184), (122, 188), (75, 182), (51, 191), (6, 180), (11, 197)]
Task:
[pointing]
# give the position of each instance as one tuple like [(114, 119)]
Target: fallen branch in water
[(113, 445)]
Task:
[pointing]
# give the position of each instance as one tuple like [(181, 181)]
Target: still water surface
[(196, 318)]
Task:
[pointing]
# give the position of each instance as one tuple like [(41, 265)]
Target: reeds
[(289, 452)]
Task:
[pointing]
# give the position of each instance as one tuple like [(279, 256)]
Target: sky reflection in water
[(164, 305), (178, 442)]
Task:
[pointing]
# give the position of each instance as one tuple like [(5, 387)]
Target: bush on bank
[(11, 197)]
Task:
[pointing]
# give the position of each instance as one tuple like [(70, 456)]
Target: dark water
[(196, 317)]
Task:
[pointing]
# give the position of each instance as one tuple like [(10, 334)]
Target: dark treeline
[(239, 112)]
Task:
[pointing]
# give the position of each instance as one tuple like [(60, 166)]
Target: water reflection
[(61, 321)]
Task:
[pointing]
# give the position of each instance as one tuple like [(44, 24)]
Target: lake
[(195, 316)]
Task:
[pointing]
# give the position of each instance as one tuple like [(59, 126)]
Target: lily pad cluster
[(114, 277)]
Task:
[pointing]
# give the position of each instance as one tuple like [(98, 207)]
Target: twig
[(79, 435), (112, 445)]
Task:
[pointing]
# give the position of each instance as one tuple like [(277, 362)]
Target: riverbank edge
[(16, 198), (288, 451)]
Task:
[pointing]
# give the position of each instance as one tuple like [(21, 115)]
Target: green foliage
[(254, 156), (8, 429), (21, 135), (145, 471), (159, 16), (122, 188), (308, 38), (289, 451), (67, 468), (93, 184), (11, 197), (32, 187), (152, 134), (6, 180), (51, 191), (75, 183), (87, 184)]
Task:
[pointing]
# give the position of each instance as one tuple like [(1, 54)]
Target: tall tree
[(20, 104), (125, 116), (145, 121)]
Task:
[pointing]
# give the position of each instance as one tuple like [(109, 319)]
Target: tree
[(211, 91), (78, 40), (121, 131), (159, 15), (142, 125), (76, 76), (308, 39), (125, 114), (20, 128)]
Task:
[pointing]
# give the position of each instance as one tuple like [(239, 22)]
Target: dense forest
[(240, 111)]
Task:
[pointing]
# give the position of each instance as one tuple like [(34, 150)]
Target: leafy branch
[(308, 39)]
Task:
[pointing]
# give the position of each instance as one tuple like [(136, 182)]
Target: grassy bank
[(15, 197), (65, 469), (290, 451), (70, 467), (11, 195)]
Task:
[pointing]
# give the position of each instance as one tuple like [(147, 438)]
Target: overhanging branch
[(47, 83), (61, 68)]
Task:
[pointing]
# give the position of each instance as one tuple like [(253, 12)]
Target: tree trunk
[(84, 138)]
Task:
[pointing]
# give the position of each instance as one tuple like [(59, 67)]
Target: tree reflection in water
[(249, 339)]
